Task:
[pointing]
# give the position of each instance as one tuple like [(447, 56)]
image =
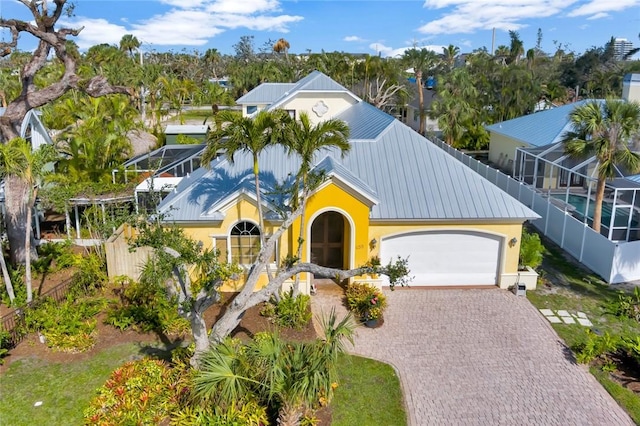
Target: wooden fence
[(122, 261)]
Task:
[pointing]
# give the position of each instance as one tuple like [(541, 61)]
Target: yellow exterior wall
[(509, 256), (244, 210), (336, 102), (500, 144)]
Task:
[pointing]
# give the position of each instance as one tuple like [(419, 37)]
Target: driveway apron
[(480, 357)]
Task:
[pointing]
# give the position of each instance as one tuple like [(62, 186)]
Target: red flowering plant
[(366, 301)]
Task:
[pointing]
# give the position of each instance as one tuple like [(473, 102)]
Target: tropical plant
[(293, 311), (366, 301), (605, 131), (245, 134), (531, 250), (288, 377), (306, 140), (144, 392)]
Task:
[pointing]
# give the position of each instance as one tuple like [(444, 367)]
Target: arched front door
[(328, 240)]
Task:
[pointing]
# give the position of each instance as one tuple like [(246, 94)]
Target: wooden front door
[(327, 240)]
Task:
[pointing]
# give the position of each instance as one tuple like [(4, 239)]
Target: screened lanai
[(571, 185)]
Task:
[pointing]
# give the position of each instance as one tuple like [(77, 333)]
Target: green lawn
[(64, 389), (369, 394)]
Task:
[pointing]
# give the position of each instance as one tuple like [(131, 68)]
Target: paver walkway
[(482, 357)]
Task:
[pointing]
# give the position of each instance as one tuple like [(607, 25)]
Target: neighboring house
[(530, 148), (394, 194), (194, 132), (529, 131)]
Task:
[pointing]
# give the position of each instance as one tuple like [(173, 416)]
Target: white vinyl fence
[(616, 262)]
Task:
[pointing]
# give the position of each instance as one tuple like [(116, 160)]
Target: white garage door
[(446, 258)]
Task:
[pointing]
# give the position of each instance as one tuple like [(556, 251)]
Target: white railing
[(614, 261)]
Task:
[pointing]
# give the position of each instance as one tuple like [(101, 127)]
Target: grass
[(64, 389), (369, 394), (626, 398), (576, 289)]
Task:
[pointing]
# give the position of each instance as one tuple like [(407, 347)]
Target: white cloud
[(468, 16), (396, 52), (353, 38), (96, 31), (188, 22), (594, 8), (598, 16)]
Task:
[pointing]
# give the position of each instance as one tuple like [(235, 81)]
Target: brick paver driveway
[(481, 357)]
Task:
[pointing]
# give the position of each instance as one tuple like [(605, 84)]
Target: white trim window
[(244, 243)]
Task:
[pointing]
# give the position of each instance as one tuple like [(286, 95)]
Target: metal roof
[(411, 178), (266, 93), (164, 157), (366, 122), (539, 129), (631, 78)]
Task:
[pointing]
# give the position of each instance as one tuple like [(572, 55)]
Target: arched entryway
[(329, 240)]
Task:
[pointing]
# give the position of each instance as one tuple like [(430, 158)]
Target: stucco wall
[(502, 149), (336, 103)]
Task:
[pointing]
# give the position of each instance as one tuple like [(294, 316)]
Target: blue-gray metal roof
[(634, 178), (539, 129), (319, 82), (629, 78), (411, 178), (366, 122), (266, 93)]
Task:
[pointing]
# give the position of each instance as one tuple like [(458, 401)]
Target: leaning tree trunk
[(6, 276)]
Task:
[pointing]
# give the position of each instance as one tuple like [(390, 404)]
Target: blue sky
[(387, 27)]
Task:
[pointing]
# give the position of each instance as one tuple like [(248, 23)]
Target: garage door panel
[(446, 258)]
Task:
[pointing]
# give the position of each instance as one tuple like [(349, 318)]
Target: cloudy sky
[(371, 26)]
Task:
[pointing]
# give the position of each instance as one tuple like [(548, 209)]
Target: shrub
[(366, 301), (145, 307), (242, 413), (91, 275), (54, 256), (143, 392), (531, 250), (4, 344), (631, 346), (596, 347), (291, 311), (627, 305), (69, 326)]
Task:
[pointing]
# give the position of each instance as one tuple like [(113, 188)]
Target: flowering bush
[(366, 301)]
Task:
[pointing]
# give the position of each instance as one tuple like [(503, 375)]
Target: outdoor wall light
[(513, 241), (373, 243)]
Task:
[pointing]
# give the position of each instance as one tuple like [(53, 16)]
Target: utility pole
[(493, 42)]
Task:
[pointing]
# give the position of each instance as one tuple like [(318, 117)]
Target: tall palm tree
[(306, 140), (19, 163), (420, 60), (281, 46), (243, 134), (449, 55), (129, 43), (604, 130)]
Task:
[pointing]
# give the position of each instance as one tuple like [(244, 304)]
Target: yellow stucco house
[(394, 194)]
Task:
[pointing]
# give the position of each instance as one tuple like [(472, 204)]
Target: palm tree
[(282, 45), (604, 130), (306, 140), (25, 167), (449, 55), (420, 60), (516, 47), (244, 134), (129, 43)]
